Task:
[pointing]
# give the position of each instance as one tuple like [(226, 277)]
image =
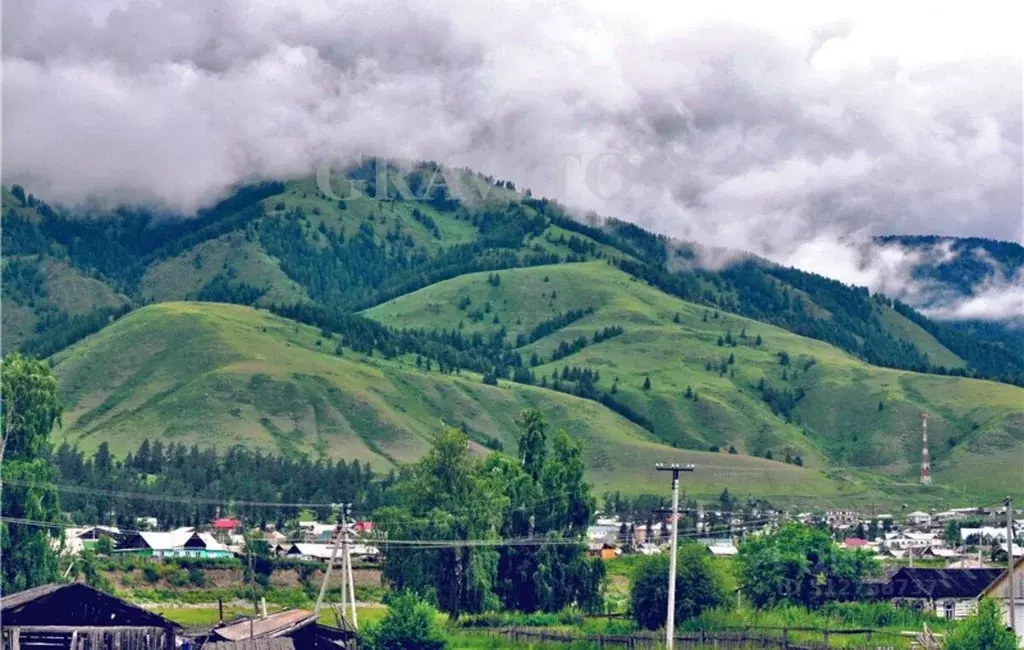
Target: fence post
[(824, 632), (785, 639)]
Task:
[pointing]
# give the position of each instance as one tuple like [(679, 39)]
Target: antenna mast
[(926, 465)]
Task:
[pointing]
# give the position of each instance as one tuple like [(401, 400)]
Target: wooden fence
[(56, 637), (740, 639)]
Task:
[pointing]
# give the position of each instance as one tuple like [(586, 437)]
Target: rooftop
[(269, 627), (938, 583)]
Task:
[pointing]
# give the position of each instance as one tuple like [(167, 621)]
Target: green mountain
[(381, 316)]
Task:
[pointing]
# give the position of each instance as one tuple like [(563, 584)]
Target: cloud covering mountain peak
[(778, 132)]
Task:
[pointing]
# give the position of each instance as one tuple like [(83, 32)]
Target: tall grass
[(834, 616)]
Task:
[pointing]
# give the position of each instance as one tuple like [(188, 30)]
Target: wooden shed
[(295, 627), (78, 617)]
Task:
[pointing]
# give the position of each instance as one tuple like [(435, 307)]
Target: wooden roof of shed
[(75, 604), (271, 626)]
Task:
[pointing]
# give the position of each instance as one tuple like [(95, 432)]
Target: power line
[(74, 489), (551, 498)]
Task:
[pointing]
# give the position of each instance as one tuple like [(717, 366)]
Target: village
[(941, 563)]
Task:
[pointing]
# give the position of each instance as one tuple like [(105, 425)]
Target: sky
[(791, 130)]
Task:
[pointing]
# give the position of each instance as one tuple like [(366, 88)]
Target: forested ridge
[(346, 260)]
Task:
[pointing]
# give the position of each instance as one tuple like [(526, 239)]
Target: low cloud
[(792, 137)]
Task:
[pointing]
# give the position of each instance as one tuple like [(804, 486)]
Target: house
[(65, 616), (918, 518), (910, 540), (648, 549), (603, 550), (999, 591), (722, 550), (602, 532), (983, 535), (297, 626), (950, 593), (937, 552), (1002, 554), (841, 518), (226, 524), (314, 531), (956, 514), (364, 527), (323, 552), (183, 542), (855, 542), (78, 539)]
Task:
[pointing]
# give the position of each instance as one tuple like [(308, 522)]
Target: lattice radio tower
[(926, 464)]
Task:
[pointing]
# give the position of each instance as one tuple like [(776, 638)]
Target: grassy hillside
[(51, 287), (283, 243), (760, 358), (851, 414), (219, 375)]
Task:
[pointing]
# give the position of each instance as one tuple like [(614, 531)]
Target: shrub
[(699, 587), (982, 630), (178, 578), (409, 623), (196, 577), (151, 573)]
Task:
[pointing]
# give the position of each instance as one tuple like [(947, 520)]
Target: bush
[(128, 580), (178, 578), (984, 629), (699, 587), (800, 565), (196, 577), (409, 623), (151, 573)]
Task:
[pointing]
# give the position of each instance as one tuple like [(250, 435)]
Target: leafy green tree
[(800, 565), (30, 409), (86, 566), (409, 624), (983, 629), (952, 533), (554, 501), (445, 496), (532, 442), (104, 545), (258, 555), (699, 587)]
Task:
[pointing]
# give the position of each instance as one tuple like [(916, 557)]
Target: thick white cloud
[(789, 131)]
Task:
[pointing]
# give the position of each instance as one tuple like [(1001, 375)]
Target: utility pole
[(348, 563), (327, 571), (670, 625), (1011, 601)]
